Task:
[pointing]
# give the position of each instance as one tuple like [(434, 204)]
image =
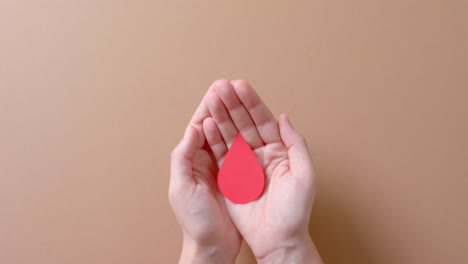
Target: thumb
[(181, 157), (298, 152)]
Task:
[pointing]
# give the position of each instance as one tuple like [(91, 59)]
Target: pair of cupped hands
[(275, 225)]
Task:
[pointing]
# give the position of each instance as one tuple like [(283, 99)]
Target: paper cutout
[(241, 178)]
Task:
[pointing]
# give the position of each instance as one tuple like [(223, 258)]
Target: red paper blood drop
[(241, 178)]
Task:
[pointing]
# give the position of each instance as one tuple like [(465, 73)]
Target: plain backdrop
[(95, 94)]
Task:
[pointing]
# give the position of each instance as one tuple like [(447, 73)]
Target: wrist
[(297, 250), (194, 252)]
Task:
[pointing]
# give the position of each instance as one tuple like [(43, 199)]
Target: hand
[(208, 232), (276, 224)]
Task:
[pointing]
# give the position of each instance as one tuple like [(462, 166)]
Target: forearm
[(300, 252), (193, 253)]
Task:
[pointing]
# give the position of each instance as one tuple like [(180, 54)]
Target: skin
[(275, 225)]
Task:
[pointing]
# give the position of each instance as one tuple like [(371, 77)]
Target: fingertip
[(210, 89), (242, 88), (211, 130), (220, 84), (220, 81), (283, 117), (210, 99), (283, 120), (214, 138), (188, 131), (192, 137), (247, 94), (288, 133), (240, 81), (207, 124)]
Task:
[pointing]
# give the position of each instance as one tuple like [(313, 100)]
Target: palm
[(282, 156), (194, 194), (272, 211), (211, 215)]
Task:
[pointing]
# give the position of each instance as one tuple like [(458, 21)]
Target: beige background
[(95, 94)]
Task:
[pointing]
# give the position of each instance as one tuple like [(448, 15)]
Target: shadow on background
[(246, 256), (335, 236)]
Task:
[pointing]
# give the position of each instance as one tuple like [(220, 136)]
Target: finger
[(220, 115), (298, 152), (215, 140), (259, 112), (181, 157), (239, 115), (199, 115)]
